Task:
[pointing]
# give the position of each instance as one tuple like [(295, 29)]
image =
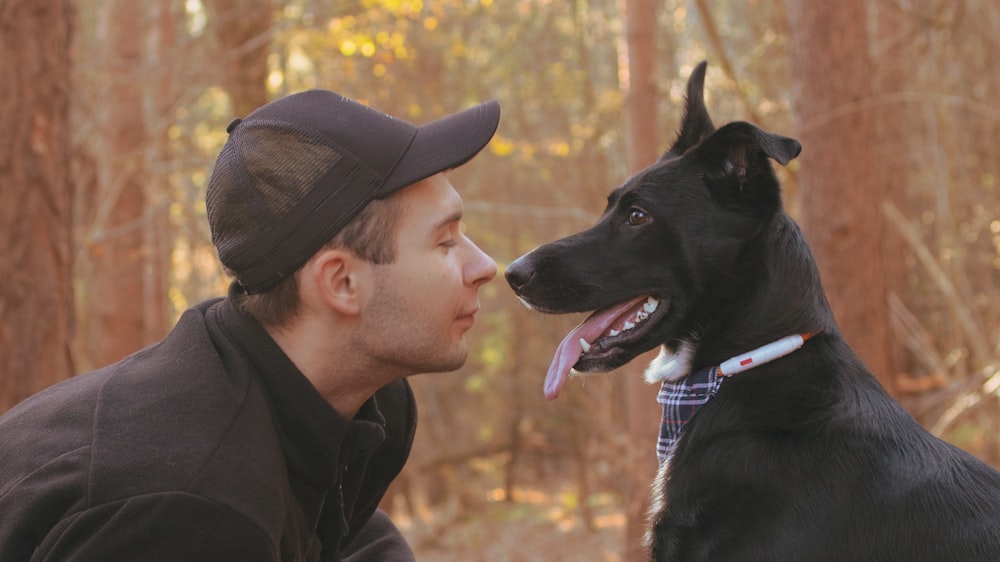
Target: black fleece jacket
[(208, 446)]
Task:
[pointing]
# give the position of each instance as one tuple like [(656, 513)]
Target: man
[(268, 425)]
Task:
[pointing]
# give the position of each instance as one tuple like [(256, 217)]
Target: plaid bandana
[(681, 401)]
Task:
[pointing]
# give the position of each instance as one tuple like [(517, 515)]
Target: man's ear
[(336, 277)]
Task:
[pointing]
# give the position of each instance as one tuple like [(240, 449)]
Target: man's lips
[(467, 317)]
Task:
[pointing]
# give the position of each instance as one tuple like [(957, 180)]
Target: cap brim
[(444, 144)]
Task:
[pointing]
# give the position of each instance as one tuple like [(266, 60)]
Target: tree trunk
[(893, 167), (643, 149), (167, 88), (841, 195), (114, 299), (36, 295), (242, 30), (640, 108)]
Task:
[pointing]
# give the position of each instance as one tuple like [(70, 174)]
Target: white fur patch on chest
[(658, 500), (670, 366)]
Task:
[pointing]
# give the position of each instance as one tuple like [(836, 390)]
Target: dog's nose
[(518, 274)]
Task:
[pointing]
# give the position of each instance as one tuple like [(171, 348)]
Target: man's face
[(423, 304)]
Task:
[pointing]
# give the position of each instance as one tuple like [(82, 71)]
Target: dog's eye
[(637, 216)]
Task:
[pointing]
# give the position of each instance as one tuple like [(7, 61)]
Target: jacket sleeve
[(157, 527)]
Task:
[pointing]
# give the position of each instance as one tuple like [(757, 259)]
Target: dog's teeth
[(584, 345), (650, 305), (628, 325), (613, 333), (641, 315)]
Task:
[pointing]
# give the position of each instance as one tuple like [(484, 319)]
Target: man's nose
[(482, 268)]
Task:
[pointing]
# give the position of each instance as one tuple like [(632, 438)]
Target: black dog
[(802, 458)]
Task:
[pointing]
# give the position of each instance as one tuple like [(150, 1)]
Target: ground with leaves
[(535, 526)]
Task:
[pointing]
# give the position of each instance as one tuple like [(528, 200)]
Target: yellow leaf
[(560, 148), (501, 146)]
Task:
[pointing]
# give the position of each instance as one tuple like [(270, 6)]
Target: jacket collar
[(318, 442)]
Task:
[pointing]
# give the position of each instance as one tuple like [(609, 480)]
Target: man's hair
[(370, 235)]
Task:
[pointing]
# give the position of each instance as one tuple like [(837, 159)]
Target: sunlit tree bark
[(114, 301), (242, 29), (840, 191), (893, 166), (642, 410), (36, 294)]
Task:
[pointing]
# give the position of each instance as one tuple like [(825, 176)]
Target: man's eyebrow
[(452, 218)]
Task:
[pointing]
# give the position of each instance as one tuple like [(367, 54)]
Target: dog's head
[(666, 233)]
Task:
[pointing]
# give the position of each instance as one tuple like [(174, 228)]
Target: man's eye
[(637, 216)]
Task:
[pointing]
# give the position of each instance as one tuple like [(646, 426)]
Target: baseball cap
[(296, 170)]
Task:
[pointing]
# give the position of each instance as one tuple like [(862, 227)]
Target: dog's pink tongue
[(568, 352)]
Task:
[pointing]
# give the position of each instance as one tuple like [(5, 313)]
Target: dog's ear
[(737, 157), (696, 124), (741, 140)]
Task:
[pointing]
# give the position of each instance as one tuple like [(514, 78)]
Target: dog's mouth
[(598, 342)]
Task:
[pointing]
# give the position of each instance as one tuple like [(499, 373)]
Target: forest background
[(113, 113)]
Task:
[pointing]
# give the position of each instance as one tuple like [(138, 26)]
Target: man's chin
[(456, 359), (443, 363), (455, 362)]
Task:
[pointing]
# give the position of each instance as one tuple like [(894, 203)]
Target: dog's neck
[(789, 298), (772, 290), (674, 365), (683, 393)]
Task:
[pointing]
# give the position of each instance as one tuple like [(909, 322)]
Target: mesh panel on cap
[(263, 171)]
